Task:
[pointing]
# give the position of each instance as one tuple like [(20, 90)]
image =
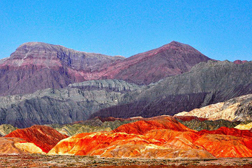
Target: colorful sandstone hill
[(42, 136), (156, 137)]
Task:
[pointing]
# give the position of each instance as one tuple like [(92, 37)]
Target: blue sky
[(220, 29)]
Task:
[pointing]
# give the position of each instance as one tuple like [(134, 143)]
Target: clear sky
[(220, 29)]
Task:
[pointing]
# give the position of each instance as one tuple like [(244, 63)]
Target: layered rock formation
[(159, 137), (74, 103), (93, 125), (151, 66), (42, 136), (8, 146), (35, 66), (238, 109), (205, 124), (206, 83)]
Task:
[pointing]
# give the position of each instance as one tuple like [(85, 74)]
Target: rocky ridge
[(60, 106), (35, 66)]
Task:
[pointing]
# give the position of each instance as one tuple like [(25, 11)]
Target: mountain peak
[(175, 43), (33, 44), (30, 46), (178, 46)]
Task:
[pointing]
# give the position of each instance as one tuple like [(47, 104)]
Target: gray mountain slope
[(206, 83), (74, 103)]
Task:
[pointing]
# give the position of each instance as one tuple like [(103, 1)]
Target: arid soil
[(36, 160)]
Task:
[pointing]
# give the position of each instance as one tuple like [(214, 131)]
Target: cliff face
[(206, 83), (35, 66)]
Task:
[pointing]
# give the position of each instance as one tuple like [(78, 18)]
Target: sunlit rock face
[(145, 125), (29, 147), (238, 109), (108, 144), (14, 146), (42, 136), (7, 145), (244, 126), (158, 137)]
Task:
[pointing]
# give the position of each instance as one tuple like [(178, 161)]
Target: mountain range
[(35, 66), (204, 84), (50, 84), (168, 103)]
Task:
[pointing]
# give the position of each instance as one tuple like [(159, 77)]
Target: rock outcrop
[(15, 146), (247, 126), (238, 109), (42, 136)]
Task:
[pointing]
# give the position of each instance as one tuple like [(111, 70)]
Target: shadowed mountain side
[(205, 84), (166, 105), (35, 66), (74, 103)]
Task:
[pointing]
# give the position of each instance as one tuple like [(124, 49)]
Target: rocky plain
[(167, 107)]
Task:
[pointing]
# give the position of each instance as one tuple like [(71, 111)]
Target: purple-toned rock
[(35, 66)]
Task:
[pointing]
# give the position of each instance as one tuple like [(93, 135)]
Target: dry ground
[(84, 161)]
